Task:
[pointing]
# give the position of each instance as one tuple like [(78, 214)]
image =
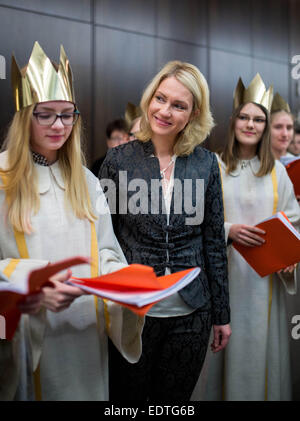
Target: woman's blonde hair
[(230, 155), (201, 122), (20, 177)]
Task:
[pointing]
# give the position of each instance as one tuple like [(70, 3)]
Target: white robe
[(256, 363), (69, 347)]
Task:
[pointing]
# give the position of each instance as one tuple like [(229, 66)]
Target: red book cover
[(281, 247), (11, 294)]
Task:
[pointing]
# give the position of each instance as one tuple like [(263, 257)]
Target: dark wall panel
[(230, 27), (183, 21), (172, 50), (274, 74), (50, 32), (295, 50), (118, 80), (131, 15), (270, 29), (72, 9), (294, 27), (225, 69)]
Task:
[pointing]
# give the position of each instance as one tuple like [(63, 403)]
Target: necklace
[(163, 171), (244, 164)]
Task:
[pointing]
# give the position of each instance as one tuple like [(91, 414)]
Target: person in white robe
[(281, 126), (256, 363), (52, 208)]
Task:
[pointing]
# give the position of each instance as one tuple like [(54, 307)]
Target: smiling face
[(47, 140), (282, 130), (170, 109), (249, 128)]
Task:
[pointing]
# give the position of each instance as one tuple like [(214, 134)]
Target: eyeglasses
[(48, 118), (254, 119)]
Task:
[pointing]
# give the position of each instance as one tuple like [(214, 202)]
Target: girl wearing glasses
[(255, 364), (52, 208)]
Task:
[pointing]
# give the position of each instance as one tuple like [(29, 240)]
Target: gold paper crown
[(131, 113), (40, 81), (256, 92), (279, 104)]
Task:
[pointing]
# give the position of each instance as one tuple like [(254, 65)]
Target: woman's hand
[(221, 337), (31, 304), (288, 269), (61, 295), (246, 235)]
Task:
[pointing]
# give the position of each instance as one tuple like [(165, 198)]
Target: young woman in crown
[(255, 365), (282, 127), (50, 209)]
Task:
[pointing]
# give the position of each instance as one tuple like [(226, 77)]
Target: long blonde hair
[(201, 122), (20, 177), (230, 154)]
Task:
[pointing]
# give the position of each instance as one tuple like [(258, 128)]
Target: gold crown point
[(238, 93), (279, 104), (131, 113), (40, 80), (256, 92)]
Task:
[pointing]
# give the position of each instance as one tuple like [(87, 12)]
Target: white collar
[(242, 164), (45, 174)]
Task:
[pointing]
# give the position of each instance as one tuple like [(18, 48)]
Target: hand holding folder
[(135, 286), (281, 247), (12, 294)]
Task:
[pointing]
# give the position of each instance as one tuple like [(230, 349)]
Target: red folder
[(136, 286), (281, 247), (292, 166), (12, 296)]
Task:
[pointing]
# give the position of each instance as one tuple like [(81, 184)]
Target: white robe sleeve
[(124, 327), (227, 226)]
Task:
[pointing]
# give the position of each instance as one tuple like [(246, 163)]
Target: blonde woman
[(50, 210), (161, 231)]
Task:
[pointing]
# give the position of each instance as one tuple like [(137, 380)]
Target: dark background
[(116, 46)]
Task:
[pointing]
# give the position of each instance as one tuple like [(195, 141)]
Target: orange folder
[(134, 277), (130, 286), (11, 295), (136, 286), (281, 247)]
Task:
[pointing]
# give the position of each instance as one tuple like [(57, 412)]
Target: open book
[(136, 286), (13, 293), (281, 247), (292, 165)]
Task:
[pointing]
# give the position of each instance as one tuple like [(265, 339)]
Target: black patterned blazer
[(146, 237)]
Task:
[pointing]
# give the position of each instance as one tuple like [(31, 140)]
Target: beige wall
[(116, 46)]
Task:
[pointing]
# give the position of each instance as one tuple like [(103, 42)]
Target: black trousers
[(174, 349)]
